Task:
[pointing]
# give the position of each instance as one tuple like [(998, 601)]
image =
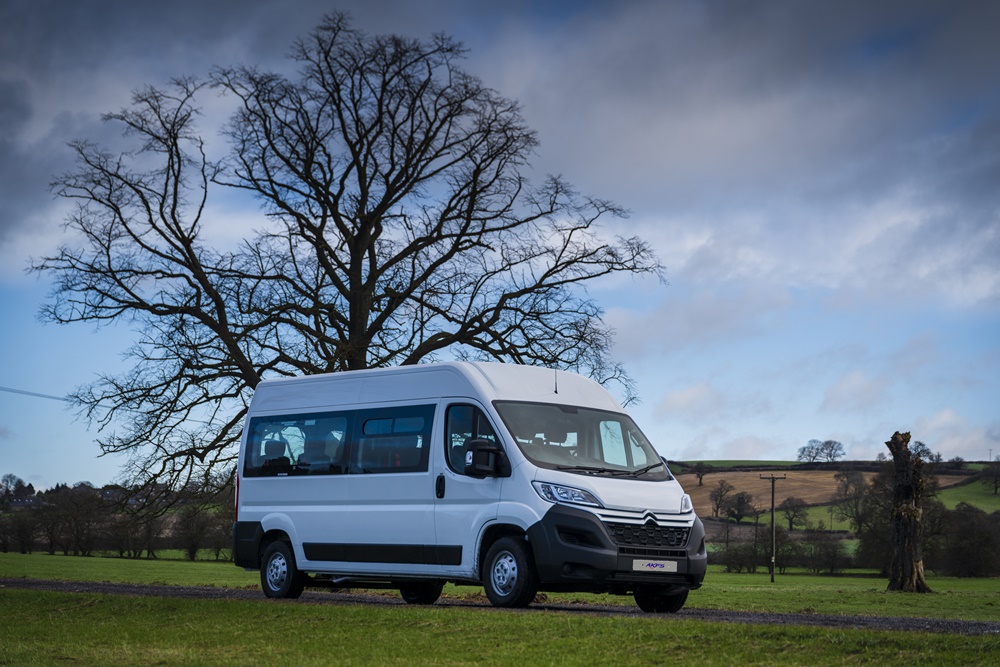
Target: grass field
[(127, 571), (969, 599), (974, 493), (54, 628), (44, 628)]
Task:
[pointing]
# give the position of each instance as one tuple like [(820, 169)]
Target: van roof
[(485, 381)]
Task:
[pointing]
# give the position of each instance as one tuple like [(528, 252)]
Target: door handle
[(439, 486)]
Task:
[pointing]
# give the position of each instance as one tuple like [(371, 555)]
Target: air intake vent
[(648, 535)]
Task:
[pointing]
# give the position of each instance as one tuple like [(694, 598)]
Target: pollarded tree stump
[(906, 570)]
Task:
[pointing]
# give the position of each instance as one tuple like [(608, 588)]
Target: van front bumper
[(575, 550)]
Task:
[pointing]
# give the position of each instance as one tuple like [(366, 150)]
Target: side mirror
[(485, 459)]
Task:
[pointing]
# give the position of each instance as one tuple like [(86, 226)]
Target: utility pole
[(773, 545)]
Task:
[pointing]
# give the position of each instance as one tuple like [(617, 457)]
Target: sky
[(820, 180)]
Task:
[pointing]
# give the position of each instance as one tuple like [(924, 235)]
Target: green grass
[(55, 628), (126, 570), (975, 493), (819, 513), (970, 599), (953, 598), (798, 592)]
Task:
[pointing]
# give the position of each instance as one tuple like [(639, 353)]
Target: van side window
[(335, 443), (391, 440), (464, 423), (298, 445)]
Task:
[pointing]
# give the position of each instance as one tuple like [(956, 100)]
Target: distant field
[(823, 513), (813, 486), (816, 487), (974, 493)]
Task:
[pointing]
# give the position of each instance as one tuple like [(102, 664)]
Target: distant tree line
[(83, 520), (962, 542)]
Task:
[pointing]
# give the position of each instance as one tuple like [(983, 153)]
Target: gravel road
[(341, 597)]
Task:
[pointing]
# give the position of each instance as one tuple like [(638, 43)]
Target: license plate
[(654, 566)]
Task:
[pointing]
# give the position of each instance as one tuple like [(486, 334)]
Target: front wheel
[(421, 592), (279, 577), (509, 574), (655, 601)]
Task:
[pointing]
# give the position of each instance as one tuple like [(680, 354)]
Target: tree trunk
[(906, 570)]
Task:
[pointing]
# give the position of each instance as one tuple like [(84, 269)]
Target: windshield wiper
[(643, 471), (593, 469)]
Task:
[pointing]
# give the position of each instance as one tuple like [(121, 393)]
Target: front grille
[(648, 535)]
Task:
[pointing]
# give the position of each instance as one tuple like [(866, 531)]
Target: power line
[(64, 399), (11, 390)]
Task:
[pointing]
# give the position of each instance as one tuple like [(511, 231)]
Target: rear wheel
[(509, 574), (279, 577), (421, 592), (657, 601)]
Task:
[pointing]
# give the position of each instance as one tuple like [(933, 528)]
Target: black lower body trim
[(414, 554)]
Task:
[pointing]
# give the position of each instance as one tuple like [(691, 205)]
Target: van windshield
[(582, 440)]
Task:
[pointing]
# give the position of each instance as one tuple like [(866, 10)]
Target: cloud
[(855, 391), (694, 402), (693, 320), (917, 353), (854, 147), (720, 444), (704, 402), (851, 148), (951, 434)]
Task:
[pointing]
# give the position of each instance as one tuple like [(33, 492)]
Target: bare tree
[(831, 450), (720, 495), (701, 469), (851, 497), (811, 451), (906, 570), (740, 505), (991, 475), (796, 512), (401, 229)]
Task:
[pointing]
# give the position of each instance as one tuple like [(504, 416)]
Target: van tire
[(509, 573), (279, 577), (655, 601), (421, 592)]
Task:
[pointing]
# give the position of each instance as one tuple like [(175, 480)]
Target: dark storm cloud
[(794, 116), (63, 63), (25, 167), (811, 143)]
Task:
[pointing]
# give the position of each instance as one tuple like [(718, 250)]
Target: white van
[(515, 478)]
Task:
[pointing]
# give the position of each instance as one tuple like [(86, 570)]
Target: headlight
[(686, 506), (557, 493)]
